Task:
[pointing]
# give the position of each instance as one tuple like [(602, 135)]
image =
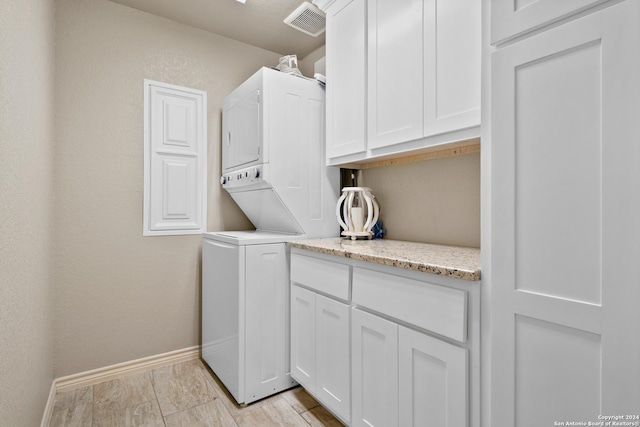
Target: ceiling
[(258, 22)]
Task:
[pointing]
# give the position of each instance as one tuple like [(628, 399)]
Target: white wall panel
[(175, 160)]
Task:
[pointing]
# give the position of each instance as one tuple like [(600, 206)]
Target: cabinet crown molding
[(323, 4)]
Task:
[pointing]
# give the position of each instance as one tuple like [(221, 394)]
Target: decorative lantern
[(357, 212)]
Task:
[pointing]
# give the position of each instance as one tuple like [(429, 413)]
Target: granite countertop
[(452, 261)]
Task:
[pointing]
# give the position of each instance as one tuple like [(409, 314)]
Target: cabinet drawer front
[(433, 307), (324, 276)]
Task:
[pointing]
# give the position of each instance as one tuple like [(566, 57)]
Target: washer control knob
[(223, 180)]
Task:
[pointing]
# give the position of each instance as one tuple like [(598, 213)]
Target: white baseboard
[(107, 373), (95, 376)]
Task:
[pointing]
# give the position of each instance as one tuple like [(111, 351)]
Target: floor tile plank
[(136, 414), (210, 414), (75, 416), (73, 408), (123, 392), (277, 413), (182, 386), (299, 399), (320, 417)]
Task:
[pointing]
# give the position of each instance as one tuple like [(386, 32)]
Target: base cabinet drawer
[(320, 343), (439, 309), (327, 277)]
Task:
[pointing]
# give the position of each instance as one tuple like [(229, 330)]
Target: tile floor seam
[(155, 393)]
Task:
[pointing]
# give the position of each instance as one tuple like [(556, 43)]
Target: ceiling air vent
[(308, 19)]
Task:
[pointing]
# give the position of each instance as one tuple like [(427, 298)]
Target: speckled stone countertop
[(452, 261)]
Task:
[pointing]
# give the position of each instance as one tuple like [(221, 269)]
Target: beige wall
[(121, 296), (26, 203), (306, 64), (433, 201)]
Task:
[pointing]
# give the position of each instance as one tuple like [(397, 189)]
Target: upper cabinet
[(511, 18), (345, 97), (394, 72), (401, 76)]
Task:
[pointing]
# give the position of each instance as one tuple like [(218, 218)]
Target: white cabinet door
[(332, 356), (374, 364), (346, 78), (433, 378), (510, 18), (451, 65), (395, 75), (303, 337), (565, 209)]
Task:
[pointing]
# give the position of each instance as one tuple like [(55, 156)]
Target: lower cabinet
[(320, 349), (382, 347), (402, 377)]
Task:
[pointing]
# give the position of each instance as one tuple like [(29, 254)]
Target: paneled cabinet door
[(395, 77), (451, 65), (303, 337), (346, 77), (433, 381), (374, 365), (510, 18), (332, 356), (565, 209)]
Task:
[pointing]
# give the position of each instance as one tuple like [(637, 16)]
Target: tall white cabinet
[(565, 235)]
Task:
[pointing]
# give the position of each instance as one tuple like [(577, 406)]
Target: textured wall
[(26, 203), (121, 296), (433, 201)]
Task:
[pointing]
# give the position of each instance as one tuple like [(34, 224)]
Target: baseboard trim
[(107, 373)]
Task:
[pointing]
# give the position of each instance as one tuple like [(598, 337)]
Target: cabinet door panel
[(395, 76), (332, 355), (433, 377), (451, 65), (303, 337), (510, 18), (374, 370), (346, 71), (564, 228)]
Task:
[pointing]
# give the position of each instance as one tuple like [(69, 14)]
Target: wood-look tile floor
[(184, 394)]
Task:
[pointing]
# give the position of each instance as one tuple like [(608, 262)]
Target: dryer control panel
[(251, 176)]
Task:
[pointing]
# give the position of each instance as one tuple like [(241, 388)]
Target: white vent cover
[(308, 19)]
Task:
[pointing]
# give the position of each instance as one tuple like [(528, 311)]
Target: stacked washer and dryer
[(273, 166)]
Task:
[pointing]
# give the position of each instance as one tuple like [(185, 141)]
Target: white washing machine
[(273, 168), (245, 315)]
